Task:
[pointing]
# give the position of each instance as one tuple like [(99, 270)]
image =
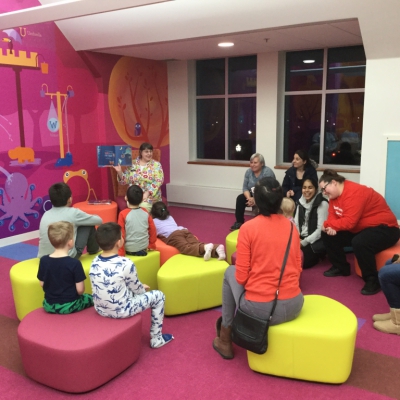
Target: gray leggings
[(285, 310)]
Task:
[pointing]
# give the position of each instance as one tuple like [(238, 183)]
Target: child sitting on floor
[(117, 290), (61, 276), (178, 236), (138, 230), (288, 207)]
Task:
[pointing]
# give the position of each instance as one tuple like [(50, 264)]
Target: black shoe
[(236, 226), (334, 271), (372, 286)]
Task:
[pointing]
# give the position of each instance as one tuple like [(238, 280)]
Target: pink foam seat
[(77, 352), (233, 257), (380, 258), (166, 252)]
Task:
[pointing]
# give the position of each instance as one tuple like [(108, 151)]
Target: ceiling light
[(308, 61), (225, 44)]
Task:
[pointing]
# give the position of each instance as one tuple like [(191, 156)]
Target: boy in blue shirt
[(61, 276)]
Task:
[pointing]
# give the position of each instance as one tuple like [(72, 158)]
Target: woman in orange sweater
[(261, 248), (358, 217)]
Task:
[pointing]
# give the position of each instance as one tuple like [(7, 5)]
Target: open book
[(107, 156)]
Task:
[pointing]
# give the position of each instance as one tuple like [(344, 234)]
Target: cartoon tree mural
[(138, 101)]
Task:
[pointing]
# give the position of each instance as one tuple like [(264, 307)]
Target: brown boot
[(391, 325), (218, 326), (223, 343), (381, 317)]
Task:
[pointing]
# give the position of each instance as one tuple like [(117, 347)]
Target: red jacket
[(357, 208)]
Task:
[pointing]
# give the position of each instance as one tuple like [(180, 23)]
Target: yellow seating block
[(147, 268), (231, 241), (317, 346), (191, 284), (27, 292)]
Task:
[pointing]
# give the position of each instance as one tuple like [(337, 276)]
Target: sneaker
[(372, 286), (208, 249), (334, 271), (221, 252), (236, 226), (160, 341)]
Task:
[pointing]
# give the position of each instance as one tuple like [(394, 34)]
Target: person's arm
[(296, 219), (83, 219), (131, 278), (80, 287), (268, 172), (41, 283), (121, 223), (245, 187), (287, 185), (40, 274), (322, 213), (243, 258), (152, 234)]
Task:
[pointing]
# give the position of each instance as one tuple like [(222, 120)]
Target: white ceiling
[(189, 29)]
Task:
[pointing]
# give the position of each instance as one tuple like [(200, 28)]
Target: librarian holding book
[(146, 173)]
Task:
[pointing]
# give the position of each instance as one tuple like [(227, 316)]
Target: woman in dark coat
[(297, 174)]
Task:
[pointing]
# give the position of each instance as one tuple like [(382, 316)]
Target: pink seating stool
[(166, 252), (80, 351), (233, 258), (380, 258)]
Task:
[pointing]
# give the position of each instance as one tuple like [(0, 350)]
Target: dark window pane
[(210, 77), (346, 68), (242, 128), (243, 75), (343, 128), (301, 75), (211, 129), (302, 125)]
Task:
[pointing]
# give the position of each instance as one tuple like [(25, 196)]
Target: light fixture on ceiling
[(308, 61), (225, 44)]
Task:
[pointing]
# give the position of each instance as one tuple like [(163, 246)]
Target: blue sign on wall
[(392, 184)]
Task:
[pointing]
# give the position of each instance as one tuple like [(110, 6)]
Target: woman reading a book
[(146, 173)]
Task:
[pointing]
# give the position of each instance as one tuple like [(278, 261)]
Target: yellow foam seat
[(28, 294), (231, 241), (191, 284), (317, 346)]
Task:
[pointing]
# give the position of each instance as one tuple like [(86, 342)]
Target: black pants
[(240, 208), (365, 243), (310, 258)]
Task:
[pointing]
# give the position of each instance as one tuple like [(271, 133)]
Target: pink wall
[(30, 152)]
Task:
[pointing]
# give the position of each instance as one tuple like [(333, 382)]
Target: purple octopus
[(17, 199)]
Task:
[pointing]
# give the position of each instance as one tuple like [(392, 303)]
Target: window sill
[(348, 170), (227, 163)]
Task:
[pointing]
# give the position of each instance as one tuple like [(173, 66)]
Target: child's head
[(60, 233), (134, 195), (59, 194), (107, 235), (159, 210), (288, 206)]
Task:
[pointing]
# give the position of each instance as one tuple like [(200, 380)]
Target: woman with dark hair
[(257, 171), (261, 247), (358, 217), (301, 169), (311, 213), (146, 173)]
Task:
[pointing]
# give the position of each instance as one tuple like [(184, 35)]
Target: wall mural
[(53, 115)]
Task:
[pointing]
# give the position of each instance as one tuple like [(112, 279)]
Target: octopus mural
[(17, 200)]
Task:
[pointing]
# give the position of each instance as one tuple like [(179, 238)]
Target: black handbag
[(251, 332)]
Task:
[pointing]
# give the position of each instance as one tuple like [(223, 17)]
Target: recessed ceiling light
[(308, 61), (225, 44)]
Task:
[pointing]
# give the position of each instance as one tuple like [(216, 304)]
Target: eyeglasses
[(323, 190)]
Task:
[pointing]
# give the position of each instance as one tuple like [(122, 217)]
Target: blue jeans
[(389, 278)]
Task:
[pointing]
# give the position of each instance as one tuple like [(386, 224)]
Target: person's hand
[(250, 202), (290, 193), (330, 231), (118, 169), (146, 287), (146, 195)]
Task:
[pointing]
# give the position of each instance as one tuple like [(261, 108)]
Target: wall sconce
[(70, 91), (42, 92)]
